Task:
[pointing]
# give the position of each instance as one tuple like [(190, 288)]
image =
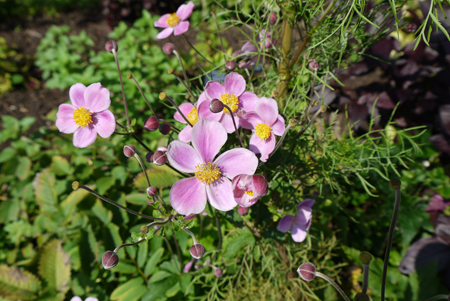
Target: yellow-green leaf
[(159, 176), (44, 184), (54, 266), (129, 291), (18, 285)]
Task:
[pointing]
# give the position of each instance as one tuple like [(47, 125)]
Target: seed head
[(395, 184), (365, 257), (144, 229), (75, 185)]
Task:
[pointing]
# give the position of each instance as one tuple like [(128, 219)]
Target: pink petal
[(162, 22), (104, 123), (76, 94), (303, 215), (188, 196), (208, 137), (285, 223), (214, 89), (267, 109), (250, 120), (298, 232), (246, 200), (165, 33), (185, 10), (91, 299), (306, 203), (247, 101), (263, 147), (220, 195), (279, 126), (205, 112), (237, 161), (64, 119), (84, 136), (185, 108), (181, 28), (202, 98), (183, 157), (185, 134), (234, 84), (96, 98), (227, 122), (76, 298)]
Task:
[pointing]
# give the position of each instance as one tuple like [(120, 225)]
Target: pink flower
[(248, 55), (87, 116), (266, 39), (266, 123), (175, 22), (211, 181), (248, 189), (299, 223), (231, 94)]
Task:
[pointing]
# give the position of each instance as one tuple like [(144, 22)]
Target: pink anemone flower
[(248, 189), (231, 94), (212, 177), (175, 22), (87, 116), (299, 223), (266, 123)]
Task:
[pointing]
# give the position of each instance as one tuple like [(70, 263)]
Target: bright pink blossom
[(299, 223), (265, 123), (87, 116), (211, 181), (232, 94), (175, 22), (247, 189)]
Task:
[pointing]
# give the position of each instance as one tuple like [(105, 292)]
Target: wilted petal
[(162, 22), (214, 89), (84, 136), (263, 147), (165, 33), (237, 161), (76, 94), (247, 101), (306, 203), (96, 98), (185, 108), (298, 232), (183, 157), (267, 109), (234, 84), (303, 215), (220, 195), (185, 10), (188, 196), (285, 223), (250, 120), (279, 126), (185, 134), (64, 119), (208, 137), (181, 28)]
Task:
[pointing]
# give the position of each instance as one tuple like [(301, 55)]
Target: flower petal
[(76, 94), (263, 147), (104, 123), (285, 223), (185, 108), (162, 22), (234, 84), (188, 196), (220, 195), (165, 33), (246, 200), (250, 120), (84, 136), (185, 10), (227, 122), (267, 109), (76, 298), (279, 126), (96, 98), (181, 28), (205, 112), (64, 119), (91, 299), (237, 161), (183, 157), (247, 101), (306, 203), (185, 134), (202, 98), (298, 232), (208, 137), (303, 215), (214, 89)]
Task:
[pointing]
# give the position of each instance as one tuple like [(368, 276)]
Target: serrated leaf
[(137, 198), (54, 267), (61, 166), (18, 285), (75, 197), (129, 291), (23, 168), (159, 176), (44, 191)]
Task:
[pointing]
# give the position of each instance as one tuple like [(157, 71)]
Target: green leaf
[(68, 205), (9, 210), (10, 123), (27, 122), (23, 168), (54, 266), (129, 291), (235, 244), (160, 288), (101, 212), (137, 198), (103, 184), (120, 173), (159, 276), (44, 191), (125, 268), (18, 285), (154, 259), (159, 176), (61, 166), (173, 290), (7, 154)]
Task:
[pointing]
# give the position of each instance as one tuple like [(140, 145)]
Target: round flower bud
[(164, 128), (273, 18), (144, 229), (314, 65), (149, 157), (110, 45), (216, 106), (109, 260), (197, 251), (168, 48), (159, 158), (151, 191), (395, 184), (218, 272), (365, 258), (230, 65), (129, 150), (243, 211), (151, 124), (75, 185), (307, 271)]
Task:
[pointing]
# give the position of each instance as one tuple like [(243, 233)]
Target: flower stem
[(143, 168), (184, 70), (142, 93), (178, 249), (192, 46), (234, 123), (159, 222), (186, 86), (334, 284), (365, 283), (191, 234), (121, 85), (128, 245), (219, 233), (220, 36), (163, 96)]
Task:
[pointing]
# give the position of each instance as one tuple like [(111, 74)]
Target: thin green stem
[(334, 284), (121, 85), (143, 95), (198, 52)]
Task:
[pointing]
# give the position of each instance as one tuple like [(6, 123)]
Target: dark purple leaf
[(436, 203), (444, 114)]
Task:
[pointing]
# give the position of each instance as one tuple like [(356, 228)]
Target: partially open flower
[(307, 271), (247, 189), (175, 22), (129, 150), (109, 260), (197, 251)]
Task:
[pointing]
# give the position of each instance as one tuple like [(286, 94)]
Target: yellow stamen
[(250, 193), (173, 20), (82, 117), (262, 131), (231, 101), (208, 173), (193, 116)]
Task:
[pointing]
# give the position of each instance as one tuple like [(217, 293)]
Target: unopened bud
[(109, 260), (151, 191), (162, 148), (144, 229), (151, 124), (230, 65), (216, 106), (149, 157), (395, 184), (164, 128), (218, 272), (129, 150), (365, 258), (273, 18), (293, 122), (243, 211), (110, 45), (75, 185), (314, 65), (307, 271), (159, 158), (168, 48), (197, 251)]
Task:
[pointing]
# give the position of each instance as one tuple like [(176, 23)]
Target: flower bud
[(151, 191), (151, 124), (243, 211), (314, 65), (216, 106), (197, 251), (247, 189), (197, 267), (273, 18), (109, 260), (307, 271), (168, 48), (144, 229), (110, 45), (230, 65), (164, 128), (129, 150), (149, 157), (159, 158), (218, 272)]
